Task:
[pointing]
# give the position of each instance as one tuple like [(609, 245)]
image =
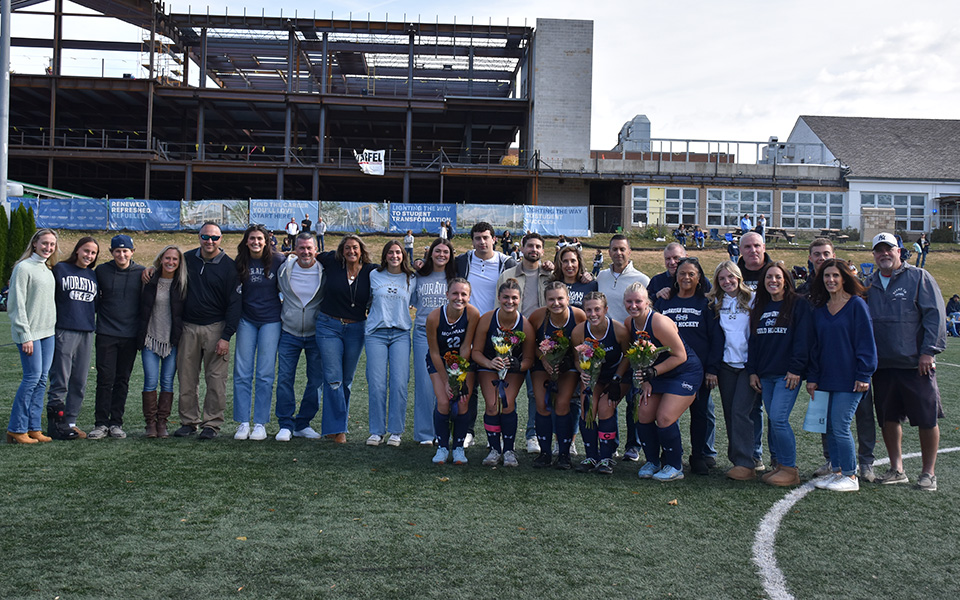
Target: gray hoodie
[(296, 318), (908, 317)]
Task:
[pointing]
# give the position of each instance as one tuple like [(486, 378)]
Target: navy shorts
[(685, 380), (901, 394)]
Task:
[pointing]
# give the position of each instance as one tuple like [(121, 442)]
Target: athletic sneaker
[(307, 432), (259, 432), (459, 457), (824, 469), (587, 465), (492, 459), (892, 477), (758, 465), (374, 440), (284, 435), (243, 432), (648, 470), (533, 446), (867, 474), (98, 432), (927, 482), (842, 483), (668, 473), (563, 463), (604, 467), (544, 460), (632, 454), (821, 483), (441, 456), (510, 459), (468, 440), (394, 440), (573, 449), (117, 432)]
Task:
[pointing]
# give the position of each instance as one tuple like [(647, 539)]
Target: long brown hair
[(851, 285), (75, 255), (243, 253), (404, 262), (763, 297)]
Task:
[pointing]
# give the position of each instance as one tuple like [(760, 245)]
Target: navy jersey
[(611, 346), (546, 329), (449, 336), (494, 331)]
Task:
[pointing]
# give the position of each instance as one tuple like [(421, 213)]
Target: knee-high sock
[(544, 425), (508, 422), (649, 441), (492, 424), (672, 446), (589, 436), (564, 433), (607, 432), (441, 425), (461, 423)]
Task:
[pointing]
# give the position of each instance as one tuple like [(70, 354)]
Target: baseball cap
[(884, 238), (121, 241)]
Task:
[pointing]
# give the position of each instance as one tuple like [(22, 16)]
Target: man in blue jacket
[(909, 325)]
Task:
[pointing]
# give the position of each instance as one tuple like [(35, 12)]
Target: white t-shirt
[(305, 282), (735, 322), (483, 281)]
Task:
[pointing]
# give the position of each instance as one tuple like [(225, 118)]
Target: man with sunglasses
[(210, 316)]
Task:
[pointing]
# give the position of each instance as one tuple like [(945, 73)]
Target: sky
[(739, 70)]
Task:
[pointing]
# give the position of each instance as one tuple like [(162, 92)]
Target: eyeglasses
[(207, 237)]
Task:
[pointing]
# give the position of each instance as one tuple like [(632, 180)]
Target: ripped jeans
[(340, 346)]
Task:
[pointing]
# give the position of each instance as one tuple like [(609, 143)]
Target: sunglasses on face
[(207, 237)]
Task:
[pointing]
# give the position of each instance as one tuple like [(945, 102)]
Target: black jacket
[(118, 303), (213, 292)]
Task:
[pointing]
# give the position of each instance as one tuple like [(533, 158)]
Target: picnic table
[(775, 232), (834, 234)]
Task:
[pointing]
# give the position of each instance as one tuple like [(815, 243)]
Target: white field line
[(948, 364), (764, 550)]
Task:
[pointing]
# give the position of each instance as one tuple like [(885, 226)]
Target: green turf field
[(180, 518)]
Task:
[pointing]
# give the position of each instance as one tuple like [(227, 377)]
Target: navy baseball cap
[(121, 241)]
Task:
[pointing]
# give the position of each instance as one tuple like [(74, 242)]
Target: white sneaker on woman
[(259, 432), (844, 484), (243, 432)]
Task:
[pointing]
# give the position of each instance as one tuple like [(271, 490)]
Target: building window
[(910, 208), (670, 206), (640, 206), (811, 210), (725, 207)]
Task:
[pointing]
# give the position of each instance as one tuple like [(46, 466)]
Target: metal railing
[(723, 152)]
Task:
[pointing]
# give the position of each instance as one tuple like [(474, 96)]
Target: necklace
[(352, 286)]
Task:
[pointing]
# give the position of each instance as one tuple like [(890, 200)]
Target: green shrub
[(943, 235)]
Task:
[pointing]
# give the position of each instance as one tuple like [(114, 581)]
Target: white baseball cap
[(884, 238)]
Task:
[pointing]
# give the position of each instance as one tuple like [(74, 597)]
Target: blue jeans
[(424, 399), (340, 345), (388, 358), (27, 409), (255, 352), (843, 405), (288, 357), (158, 370), (779, 401)]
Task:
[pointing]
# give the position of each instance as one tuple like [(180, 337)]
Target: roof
[(892, 148)]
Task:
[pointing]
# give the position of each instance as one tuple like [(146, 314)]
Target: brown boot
[(784, 477), (742, 473), (38, 435), (769, 474), (164, 406), (19, 438), (150, 413)]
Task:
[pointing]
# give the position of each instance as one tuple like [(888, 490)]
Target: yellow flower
[(462, 377), (584, 365), (503, 348)]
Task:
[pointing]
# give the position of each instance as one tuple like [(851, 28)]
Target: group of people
[(486, 325)]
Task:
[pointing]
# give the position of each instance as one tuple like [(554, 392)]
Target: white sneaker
[(573, 448), (259, 432), (468, 440), (843, 483), (533, 446), (427, 443), (307, 432), (394, 440), (283, 435), (374, 439), (492, 459), (243, 432), (556, 448), (510, 459), (821, 483)]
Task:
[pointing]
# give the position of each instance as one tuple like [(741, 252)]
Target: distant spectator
[(408, 242), (698, 236), (918, 249), (745, 223), (321, 231), (681, 234), (306, 225), (597, 262), (924, 248), (292, 230), (733, 249), (506, 242), (953, 315)]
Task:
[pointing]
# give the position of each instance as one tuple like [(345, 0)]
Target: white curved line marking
[(764, 549)]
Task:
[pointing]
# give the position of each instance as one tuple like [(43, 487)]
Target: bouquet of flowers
[(457, 367), (642, 353), (554, 349), (504, 345), (591, 361)]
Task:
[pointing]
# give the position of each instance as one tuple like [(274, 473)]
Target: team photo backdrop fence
[(340, 217)]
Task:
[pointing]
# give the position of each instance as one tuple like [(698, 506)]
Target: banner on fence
[(557, 220), (275, 214), (420, 217), (72, 213), (370, 161), (230, 215), (28, 203), (350, 217), (500, 216), (145, 215)]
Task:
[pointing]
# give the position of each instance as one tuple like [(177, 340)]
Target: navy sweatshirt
[(118, 305), (259, 293), (698, 327), (213, 293), (76, 297), (842, 348), (775, 350)]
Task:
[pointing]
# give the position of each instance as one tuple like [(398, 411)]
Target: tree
[(15, 240), (30, 226)]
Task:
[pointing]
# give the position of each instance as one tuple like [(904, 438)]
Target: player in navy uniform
[(599, 438), (556, 315), (667, 388), (451, 328), (501, 420)]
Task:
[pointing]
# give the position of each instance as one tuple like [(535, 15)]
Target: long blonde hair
[(716, 293), (28, 252), (180, 275)]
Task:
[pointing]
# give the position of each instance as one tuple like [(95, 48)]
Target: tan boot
[(785, 477), (38, 435), (19, 438), (742, 473), (164, 406), (769, 474), (150, 413)]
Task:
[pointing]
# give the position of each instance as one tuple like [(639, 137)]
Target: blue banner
[(420, 218), (16, 201), (352, 217), (230, 215), (145, 215), (557, 220), (500, 216), (71, 213), (275, 214)]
